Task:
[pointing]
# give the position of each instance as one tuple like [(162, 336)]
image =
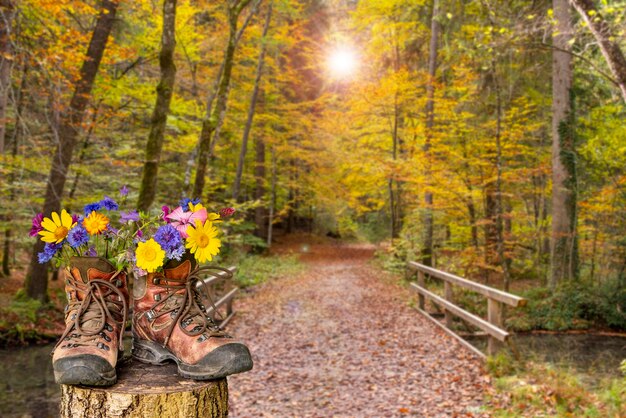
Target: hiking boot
[(170, 322), (95, 317)]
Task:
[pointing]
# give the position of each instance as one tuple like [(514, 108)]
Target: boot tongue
[(88, 268), (178, 270)]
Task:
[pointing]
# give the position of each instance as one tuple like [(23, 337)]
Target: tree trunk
[(144, 390), (15, 143), (564, 253), (260, 212), (36, 283), (435, 29), (165, 89), (270, 220), (213, 121), (499, 207), (606, 40), (211, 98), (7, 12), (253, 100)]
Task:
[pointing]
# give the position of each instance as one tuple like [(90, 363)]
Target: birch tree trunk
[(435, 29), (606, 40), (165, 90), (36, 283), (214, 121), (253, 101), (564, 253)]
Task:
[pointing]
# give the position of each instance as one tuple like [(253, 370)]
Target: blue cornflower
[(91, 252), (49, 251), (124, 191), (131, 216), (77, 236), (169, 239), (91, 207), (176, 253), (109, 204), (184, 203)]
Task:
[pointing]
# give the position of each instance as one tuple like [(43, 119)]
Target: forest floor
[(340, 339)]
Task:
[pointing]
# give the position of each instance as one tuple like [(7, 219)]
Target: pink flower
[(226, 212), (181, 220), (34, 230)]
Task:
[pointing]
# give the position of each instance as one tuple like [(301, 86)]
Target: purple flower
[(110, 231), (139, 272), (176, 253), (77, 236), (91, 252), (91, 207), (124, 191), (36, 225), (109, 204), (49, 251), (75, 218), (139, 233), (130, 216), (226, 212), (184, 203), (168, 238)]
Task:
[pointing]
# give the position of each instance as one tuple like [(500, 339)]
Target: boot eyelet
[(157, 297), (156, 280), (73, 317), (118, 283), (202, 338), (103, 346), (108, 327), (150, 314)]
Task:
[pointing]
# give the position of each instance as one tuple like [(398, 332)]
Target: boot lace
[(184, 304), (93, 313)]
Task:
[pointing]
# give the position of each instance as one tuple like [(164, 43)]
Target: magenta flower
[(36, 225), (166, 211), (181, 220), (226, 212)]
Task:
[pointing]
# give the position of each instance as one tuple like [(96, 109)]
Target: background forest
[(440, 126)]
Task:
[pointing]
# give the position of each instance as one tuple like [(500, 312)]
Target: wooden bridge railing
[(222, 290), (493, 326)]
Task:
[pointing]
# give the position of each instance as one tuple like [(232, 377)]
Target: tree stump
[(144, 390)]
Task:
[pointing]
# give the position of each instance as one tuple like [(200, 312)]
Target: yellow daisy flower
[(202, 241), (214, 217), (56, 229), (149, 255), (95, 223), (196, 207)]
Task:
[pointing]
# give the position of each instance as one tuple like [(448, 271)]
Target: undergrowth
[(255, 269), (542, 390)]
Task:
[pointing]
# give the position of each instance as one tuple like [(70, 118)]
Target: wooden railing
[(493, 326), (222, 290)]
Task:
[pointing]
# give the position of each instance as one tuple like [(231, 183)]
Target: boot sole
[(223, 361), (84, 369)]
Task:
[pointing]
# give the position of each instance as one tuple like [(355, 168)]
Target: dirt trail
[(340, 340)]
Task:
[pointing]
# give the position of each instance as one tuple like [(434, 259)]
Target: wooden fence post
[(421, 283), (494, 316), (449, 297)]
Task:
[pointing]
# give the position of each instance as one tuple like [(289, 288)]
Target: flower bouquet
[(160, 250)]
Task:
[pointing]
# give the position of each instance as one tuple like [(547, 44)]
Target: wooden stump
[(143, 390)]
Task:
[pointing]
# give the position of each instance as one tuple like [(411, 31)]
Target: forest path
[(340, 340)]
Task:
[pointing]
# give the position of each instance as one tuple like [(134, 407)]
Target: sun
[(342, 62)]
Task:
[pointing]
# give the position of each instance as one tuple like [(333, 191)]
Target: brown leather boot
[(95, 317), (170, 323)]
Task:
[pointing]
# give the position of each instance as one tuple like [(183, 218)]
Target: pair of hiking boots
[(170, 322)]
